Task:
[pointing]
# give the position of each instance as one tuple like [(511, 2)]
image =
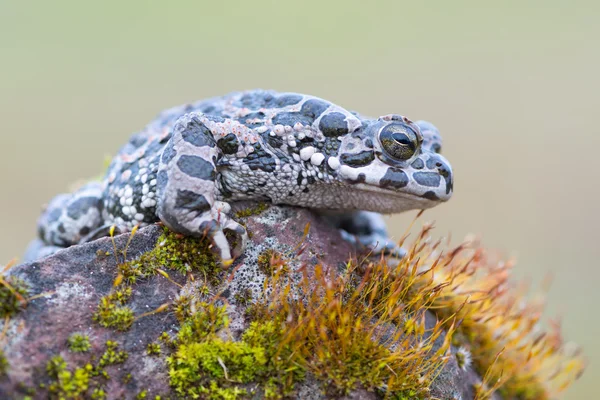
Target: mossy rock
[(159, 317)]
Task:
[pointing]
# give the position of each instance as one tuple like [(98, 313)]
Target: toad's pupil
[(402, 139)]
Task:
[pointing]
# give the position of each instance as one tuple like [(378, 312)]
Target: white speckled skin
[(186, 167)]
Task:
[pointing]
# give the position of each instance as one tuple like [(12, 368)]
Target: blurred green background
[(514, 88)]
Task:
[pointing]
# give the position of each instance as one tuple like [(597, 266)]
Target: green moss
[(12, 293), (153, 349), (281, 370), (205, 365), (98, 394), (67, 384), (243, 297), (142, 395), (202, 368), (166, 339), (219, 393), (112, 312), (74, 384), (112, 355), (271, 261), (55, 366), (250, 211), (206, 321), (175, 252), (4, 365), (404, 395), (25, 389), (264, 262), (183, 307), (79, 343)]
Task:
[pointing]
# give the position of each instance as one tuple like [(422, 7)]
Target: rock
[(65, 290)]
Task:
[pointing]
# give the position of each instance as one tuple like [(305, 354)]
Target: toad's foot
[(71, 217)]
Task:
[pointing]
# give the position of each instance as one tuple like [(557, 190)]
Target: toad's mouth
[(427, 199)]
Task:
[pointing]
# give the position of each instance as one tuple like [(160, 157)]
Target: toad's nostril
[(443, 171)]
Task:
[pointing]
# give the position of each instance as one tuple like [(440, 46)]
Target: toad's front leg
[(368, 229), (186, 188)]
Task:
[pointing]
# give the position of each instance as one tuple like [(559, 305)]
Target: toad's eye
[(399, 141)]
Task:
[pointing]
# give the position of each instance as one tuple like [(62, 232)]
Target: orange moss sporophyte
[(334, 330), (13, 293), (501, 326), (348, 331)]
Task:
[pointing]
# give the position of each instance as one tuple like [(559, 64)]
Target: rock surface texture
[(65, 290)]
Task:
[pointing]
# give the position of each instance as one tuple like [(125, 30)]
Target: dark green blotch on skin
[(196, 133), (333, 124), (394, 178), (137, 140), (418, 164), (161, 181), (191, 201), (208, 109), (172, 222), (449, 183), (433, 162), (54, 215), (228, 144), (359, 159), (274, 141), (168, 153), (252, 116), (291, 118), (430, 179), (430, 196), (196, 167), (314, 108), (260, 159), (81, 206), (256, 99), (361, 178), (41, 232), (288, 100), (208, 226), (153, 148)]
